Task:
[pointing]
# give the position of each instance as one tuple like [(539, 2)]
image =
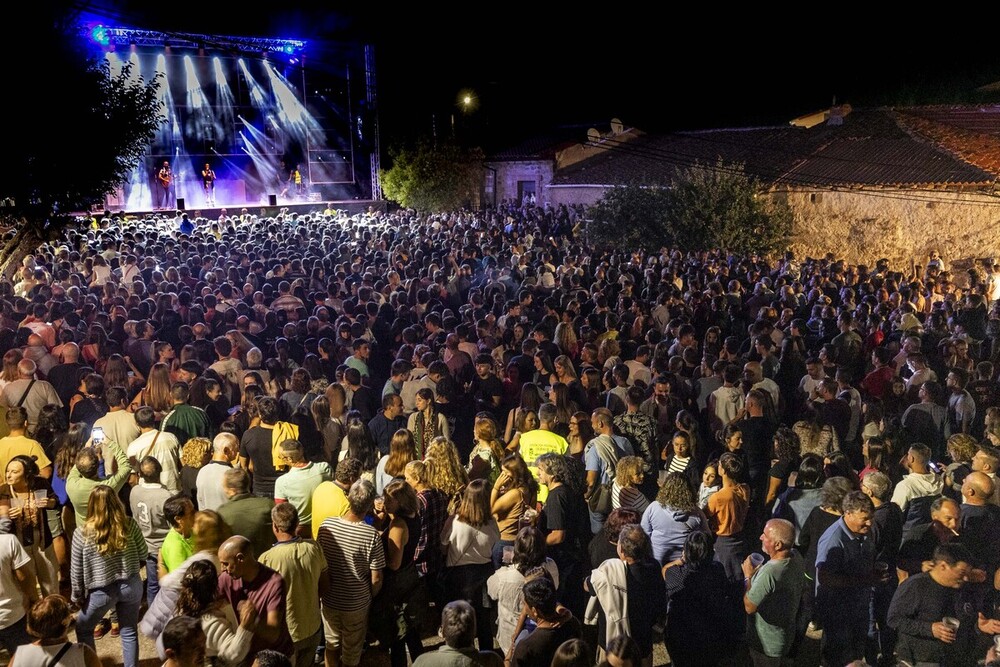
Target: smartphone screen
[(97, 435)]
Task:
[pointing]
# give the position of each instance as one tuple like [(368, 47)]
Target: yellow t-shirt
[(15, 445), (535, 443), (328, 500)]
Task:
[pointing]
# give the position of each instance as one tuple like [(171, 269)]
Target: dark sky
[(532, 66)]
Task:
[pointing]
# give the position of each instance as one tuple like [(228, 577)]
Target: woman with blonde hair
[(195, 453), (402, 450), (10, 360), (107, 553), (156, 393), (629, 473), (565, 339), (469, 536), (445, 470), (433, 505), (487, 452)]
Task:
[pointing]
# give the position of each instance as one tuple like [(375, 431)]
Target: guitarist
[(165, 177)]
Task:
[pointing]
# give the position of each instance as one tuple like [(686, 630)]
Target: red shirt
[(877, 382)]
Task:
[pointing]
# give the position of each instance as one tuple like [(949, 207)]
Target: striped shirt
[(90, 569), (352, 552)]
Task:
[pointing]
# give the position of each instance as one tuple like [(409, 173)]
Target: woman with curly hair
[(433, 503), (487, 451), (195, 453), (445, 470), (629, 473), (786, 451), (107, 553), (207, 535), (567, 342), (402, 450), (227, 639), (961, 447), (566, 522), (673, 517)]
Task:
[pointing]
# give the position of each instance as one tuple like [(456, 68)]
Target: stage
[(350, 206)]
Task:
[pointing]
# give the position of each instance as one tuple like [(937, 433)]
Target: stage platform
[(350, 206)]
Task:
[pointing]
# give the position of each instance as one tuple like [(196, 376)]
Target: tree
[(703, 207), (433, 177), (103, 126)]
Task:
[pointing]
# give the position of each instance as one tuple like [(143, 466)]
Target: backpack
[(599, 501)]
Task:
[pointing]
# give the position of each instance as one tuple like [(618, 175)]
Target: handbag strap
[(25, 394), (58, 656), (150, 448)]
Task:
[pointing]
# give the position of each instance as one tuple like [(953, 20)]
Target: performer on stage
[(295, 179), (165, 178), (208, 183)]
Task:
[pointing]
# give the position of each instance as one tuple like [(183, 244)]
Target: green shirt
[(297, 485), (175, 550), (300, 563), (78, 487), (776, 588)]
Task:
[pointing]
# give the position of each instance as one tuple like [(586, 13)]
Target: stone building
[(865, 183)]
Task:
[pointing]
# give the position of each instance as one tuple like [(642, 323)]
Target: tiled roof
[(870, 148), (540, 147)]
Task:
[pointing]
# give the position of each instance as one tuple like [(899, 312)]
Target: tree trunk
[(24, 243)]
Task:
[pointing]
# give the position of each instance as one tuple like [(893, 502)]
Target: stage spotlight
[(101, 35)]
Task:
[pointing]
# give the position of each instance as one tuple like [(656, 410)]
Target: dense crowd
[(317, 434)]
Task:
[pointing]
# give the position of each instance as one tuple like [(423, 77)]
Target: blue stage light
[(101, 35)]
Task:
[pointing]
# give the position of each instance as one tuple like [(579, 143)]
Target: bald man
[(244, 578), (772, 594), (65, 377), (980, 521), (28, 392), (919, 544), (37, 351)]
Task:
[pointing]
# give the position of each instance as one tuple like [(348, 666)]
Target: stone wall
[(900, 225), (508, 174)]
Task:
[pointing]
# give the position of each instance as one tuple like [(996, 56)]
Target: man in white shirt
[(29, 393), (118, 424), (161, 445), (211, 490), (638, 368)]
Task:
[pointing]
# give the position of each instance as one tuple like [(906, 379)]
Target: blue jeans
[(152, 580), (125, 596)]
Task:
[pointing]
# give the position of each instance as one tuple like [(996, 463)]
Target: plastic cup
[(951, 622), (756, 560), (508, 555), (41, 497)]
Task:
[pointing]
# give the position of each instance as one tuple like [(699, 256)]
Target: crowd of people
[(311, 436)]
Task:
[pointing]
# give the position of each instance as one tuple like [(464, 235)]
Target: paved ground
[(110, 651)]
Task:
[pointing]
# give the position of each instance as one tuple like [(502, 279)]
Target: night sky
[(535, 67)]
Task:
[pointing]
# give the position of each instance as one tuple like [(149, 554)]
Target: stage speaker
[(180, 203), (272, 200)]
